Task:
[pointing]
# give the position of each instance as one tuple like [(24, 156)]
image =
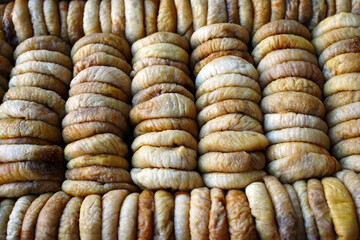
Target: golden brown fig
[(15, 190), (63, 10), (168, 138), (218, 222), (111, 206), (22, 21), (318, 12), (228, 107), (231, 122), (104, 38), (101, 59), (162, 50), (28, 111), (221, 30), (333, 36), (298, 134), (200, 204), (107, 160), (69, 221), (91, 23), (99, 174), (342, 208), (15, 128), (151, 8), (105, 143), (305, 12), (284, 211), (335, 66), (47, 68), (302, 166), (216, 45), (282, 150), (184, 16), (91, 48), (278, 121), (343, 83), (346, 148), (285, 55), (164, 215), (91, 100), (17, 216), (52, 19), (90, 217), (99, 88), (6, 208), (31, 216), (300, 69), (166, 20), (278, 8), (182, 215), (161, 124), (49, 218), (262, 14), (290, 102), (309, 221), (45, 56), (160, 37), (156, 75), (118, 17), (216, 12), (163, 106), (182, 158), (262, 209), (232, 162), (229, 64), (134, 20), (128, 217), (280, 41), (199, 65), (38, 95), (104, 74), (280, 27), (231, 141), (246, 12), (51, 43), (159, 89), (28, 152), (294, 84), (145, 219), (157, 178), (344, 130), (300, 229), (342, 114), (37, 17), (227, 80), (75, 20), (30, 171), (40, 80), (241, 223), (232, 180), (351, 181), (105, 16), (98, 114), (226, 93), (146, 62), (337, 21), (320, 209), (199, 12), (86, 188)]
